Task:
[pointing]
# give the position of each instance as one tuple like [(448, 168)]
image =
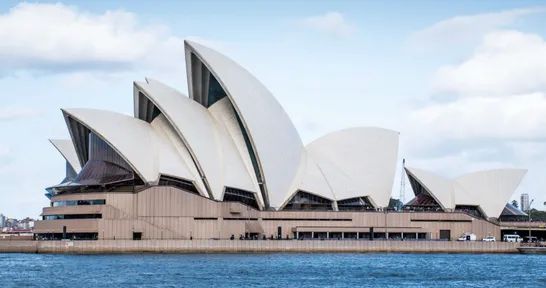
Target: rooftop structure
[(484, 193), (229, 140)]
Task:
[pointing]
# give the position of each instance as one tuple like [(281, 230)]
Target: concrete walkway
[(257, 246)]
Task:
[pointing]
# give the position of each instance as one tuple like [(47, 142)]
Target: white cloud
[(515, 117), (467, 28), (12, 112), (500, 92), (56, 37), (495, 116), (330, 22), (506, 63)]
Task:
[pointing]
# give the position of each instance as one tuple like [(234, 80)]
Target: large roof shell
[(66, 148), (274, 139), (238, 169), (488, 189), (135, 140), (358, 162), (437, 186), (195, 127), (491, 189)]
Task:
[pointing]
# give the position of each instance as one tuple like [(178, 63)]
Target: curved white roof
[(66, 148), (136, 141), (162, 126), (238, 169), (274, 139), (195, 127), (314, 182), (489, 189), (358, 162), (437, 186)]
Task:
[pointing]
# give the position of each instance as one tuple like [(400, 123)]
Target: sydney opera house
[(226, 160)]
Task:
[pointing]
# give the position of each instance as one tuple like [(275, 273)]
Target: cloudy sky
[(463, 81)]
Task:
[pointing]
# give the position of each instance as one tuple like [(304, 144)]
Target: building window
[(72, 216), (307, 201), (216, 92), (78, 203), (178, 183), (354, 204), (237, 195)]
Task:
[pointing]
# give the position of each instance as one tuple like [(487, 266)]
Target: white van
[(511, 238)]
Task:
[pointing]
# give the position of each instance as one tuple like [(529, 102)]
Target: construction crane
[(402, 196)]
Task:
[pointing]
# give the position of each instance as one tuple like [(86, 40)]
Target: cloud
[(12, 112), (331, 22), (467, 28), (58, 38), (505, 63), (517, 117), (492, 112)]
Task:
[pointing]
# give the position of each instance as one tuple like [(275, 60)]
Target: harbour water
[(273, 270)]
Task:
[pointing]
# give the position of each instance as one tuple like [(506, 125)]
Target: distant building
[(2, 220), (524, 202)]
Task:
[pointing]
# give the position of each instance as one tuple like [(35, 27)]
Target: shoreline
[(253, 246)]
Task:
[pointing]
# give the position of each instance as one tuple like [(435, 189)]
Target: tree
[(515, 203), (538, 215)]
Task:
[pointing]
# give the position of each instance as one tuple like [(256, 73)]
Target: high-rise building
[(2, 220), (524, 202)]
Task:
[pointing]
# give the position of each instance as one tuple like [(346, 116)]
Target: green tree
[(538, 215)]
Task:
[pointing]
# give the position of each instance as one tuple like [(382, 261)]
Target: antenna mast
[(402, 196)]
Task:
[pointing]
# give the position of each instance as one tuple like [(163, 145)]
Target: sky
[(464, 82)]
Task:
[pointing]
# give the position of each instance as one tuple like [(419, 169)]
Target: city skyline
[(456, 111)]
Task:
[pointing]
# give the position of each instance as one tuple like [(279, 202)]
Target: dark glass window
[(307, 201), (79, 203), (354, 204), (216, 92), (179, 183), (245, 197), (72, 216), (471, 210)]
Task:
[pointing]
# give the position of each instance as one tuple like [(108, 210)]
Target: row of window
[(78, 203), (72, 216)]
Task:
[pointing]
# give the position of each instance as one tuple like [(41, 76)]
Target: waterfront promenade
[(258, 246)]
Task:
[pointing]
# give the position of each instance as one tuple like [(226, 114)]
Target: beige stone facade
[(162, 212)]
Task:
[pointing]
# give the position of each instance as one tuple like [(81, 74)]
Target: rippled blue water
[(273, 270)]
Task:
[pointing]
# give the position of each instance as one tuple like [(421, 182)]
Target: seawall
[(257, 246)]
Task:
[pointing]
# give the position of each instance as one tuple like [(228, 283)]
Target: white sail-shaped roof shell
[(195, 127), (212, 147), (314, 182), (276, 143), (441, 186), (238, 170), (488, 189), (66, 148), (491, 189), (357, 162), (140, 145)]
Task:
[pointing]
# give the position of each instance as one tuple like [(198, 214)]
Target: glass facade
[(215, 91), (72, 216), (306, 201), (236, 195), (179, 183), (354, 204), (105, 165), (78, 203)]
